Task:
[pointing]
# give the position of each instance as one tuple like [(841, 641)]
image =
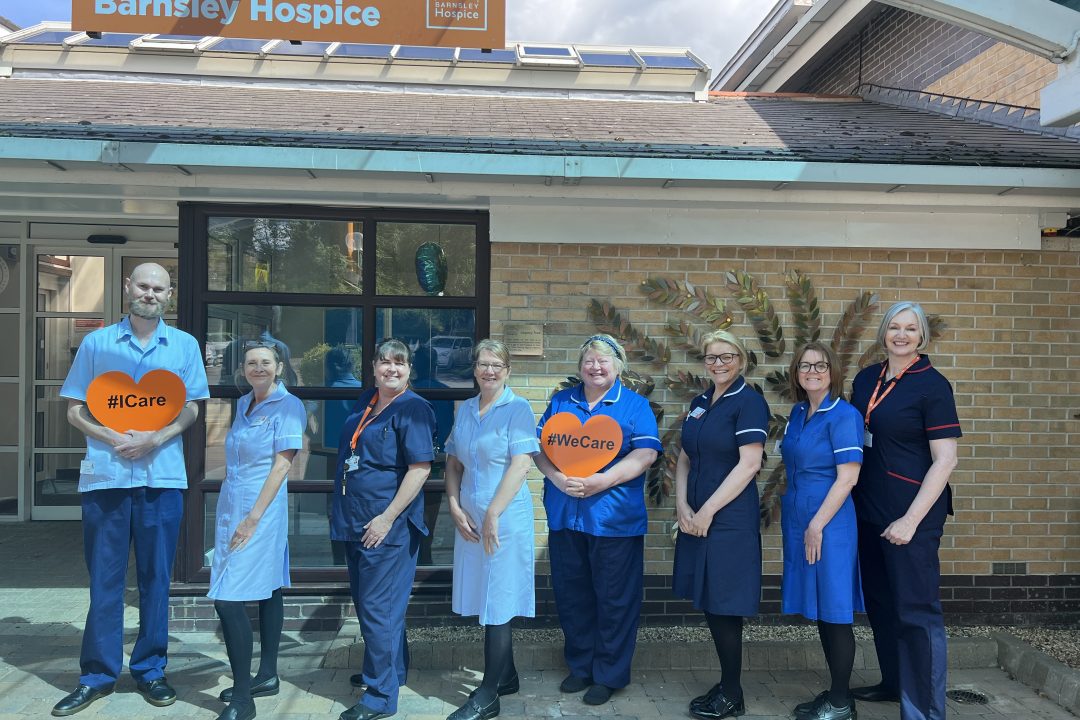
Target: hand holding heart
[(580, 451), (136, 411)]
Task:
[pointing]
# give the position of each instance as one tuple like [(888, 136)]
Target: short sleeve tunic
[(499, 586), (721, 572), (830, 589), (261, 566)]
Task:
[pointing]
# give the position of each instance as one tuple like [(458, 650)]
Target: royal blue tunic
[(830, 589), (721, 572)]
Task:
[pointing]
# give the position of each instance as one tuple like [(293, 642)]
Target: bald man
[(132, 489)]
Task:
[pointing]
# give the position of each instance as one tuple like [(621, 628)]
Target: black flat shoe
[(238, 712), (157, 692), (875, 693), (80, 699), (716, 706), (471, 711), (269, 686), (804, 708), (360, 711), (708, 697), (357, 680), (597, 695), (509, 687), (823, 709), (574, 684)]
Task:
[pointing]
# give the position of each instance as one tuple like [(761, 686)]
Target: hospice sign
[(445, 23)]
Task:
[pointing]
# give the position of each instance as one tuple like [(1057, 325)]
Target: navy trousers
[(381, 582), (597, 583), (113, 521), (901, 586)]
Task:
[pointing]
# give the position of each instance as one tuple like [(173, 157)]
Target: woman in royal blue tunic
[(718, 550), (822, 450), (488, 455), (251, 548)]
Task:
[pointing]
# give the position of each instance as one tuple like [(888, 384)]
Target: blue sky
[(713, 29)]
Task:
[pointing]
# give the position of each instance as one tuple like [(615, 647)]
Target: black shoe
[(875, 693), (471, 711), (359, 711), (823, 709), (573, 684), (238, 712), (510, 687), (806, 707), (264, 688), (157, 692), (80, 699), (714, 705), (357, 680), (597, 695)]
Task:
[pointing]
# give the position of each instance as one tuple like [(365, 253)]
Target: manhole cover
[(967, 697)]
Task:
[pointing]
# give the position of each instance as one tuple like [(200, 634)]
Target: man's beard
[(146, 310)]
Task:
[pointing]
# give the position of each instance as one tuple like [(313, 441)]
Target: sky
[(713, 29)]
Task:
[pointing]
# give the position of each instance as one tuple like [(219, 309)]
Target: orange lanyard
[(874, 399), (365, 420)]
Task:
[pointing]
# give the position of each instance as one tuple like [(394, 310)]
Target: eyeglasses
[(249, 344), (497, 367), (722, 358), (820, 367)]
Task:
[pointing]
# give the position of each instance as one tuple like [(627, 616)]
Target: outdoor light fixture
[(106, 239)]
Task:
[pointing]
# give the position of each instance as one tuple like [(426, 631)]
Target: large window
[(324, 285)]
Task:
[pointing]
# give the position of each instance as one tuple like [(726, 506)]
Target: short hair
[(603, 344), (495, 347), (836, 377), (250, 345), (392, 349), (724, 336), (920, 318)]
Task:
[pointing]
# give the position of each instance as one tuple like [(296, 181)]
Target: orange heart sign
[(581, 450), (121, 404)]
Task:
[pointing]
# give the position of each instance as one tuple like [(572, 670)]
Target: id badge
[(352, 464), (697, 412), (868, 439)]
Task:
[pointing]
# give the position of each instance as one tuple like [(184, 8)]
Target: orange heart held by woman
[(121, 404), (580, 450)]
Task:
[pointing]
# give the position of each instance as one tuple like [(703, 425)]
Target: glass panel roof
[(494, 56), (609, 59), (670, 61), (363, 51), (46, 37), (420, 52), (237, 45), (304, 48), (549, 51), (111, 40)]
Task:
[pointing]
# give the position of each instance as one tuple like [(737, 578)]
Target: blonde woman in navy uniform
[(384, 458), (718, 550), (251, 548), (901, 501)]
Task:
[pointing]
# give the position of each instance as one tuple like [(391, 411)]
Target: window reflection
[(70, 283), (425, 259), (441, 341)]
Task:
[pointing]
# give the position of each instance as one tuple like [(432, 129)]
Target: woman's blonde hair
[(724, 336), (607, 346)]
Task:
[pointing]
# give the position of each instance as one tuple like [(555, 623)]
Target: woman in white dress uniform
[(251, 547), (488, 455)]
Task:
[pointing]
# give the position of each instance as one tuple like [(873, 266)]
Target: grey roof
[(728, 127)]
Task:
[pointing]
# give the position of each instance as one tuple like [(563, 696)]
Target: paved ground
[(43, 602)]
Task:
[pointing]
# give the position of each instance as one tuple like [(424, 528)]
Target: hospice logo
[(457, 14), (226, 11)]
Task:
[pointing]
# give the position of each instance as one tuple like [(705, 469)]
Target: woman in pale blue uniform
[(488, 455), (251, 548), (822, 451)]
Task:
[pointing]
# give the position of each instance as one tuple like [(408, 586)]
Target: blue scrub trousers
[(901, 586), (112, 521), (381, 581), (597, 583)]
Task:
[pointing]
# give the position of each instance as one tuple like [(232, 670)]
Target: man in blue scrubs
[(131, 485)]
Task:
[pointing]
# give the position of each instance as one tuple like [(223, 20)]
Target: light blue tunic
[(261, 566), (499, 586)]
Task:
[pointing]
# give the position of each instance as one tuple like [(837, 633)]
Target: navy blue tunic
[(721, 572)]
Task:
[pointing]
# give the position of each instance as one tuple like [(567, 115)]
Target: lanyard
[(874, 399), (365, 420)]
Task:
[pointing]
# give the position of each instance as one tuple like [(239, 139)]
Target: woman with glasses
[(384, 458), (597, 526), (488, 455), (902, 499), (718, 550), (251, 547), (822, 451)]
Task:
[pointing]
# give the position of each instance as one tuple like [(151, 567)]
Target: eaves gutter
[(124, 155)]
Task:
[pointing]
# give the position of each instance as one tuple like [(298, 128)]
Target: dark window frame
[(194, 297)]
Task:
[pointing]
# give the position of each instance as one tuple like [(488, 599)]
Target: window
[(324, 285)]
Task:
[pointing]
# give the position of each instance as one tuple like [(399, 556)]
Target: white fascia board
[(1060, 100), (784, 15)]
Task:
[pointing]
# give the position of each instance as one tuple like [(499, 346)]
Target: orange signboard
[(445, 23)]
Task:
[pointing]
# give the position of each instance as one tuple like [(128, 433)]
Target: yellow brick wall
[(1002, 73), (1012, 352)]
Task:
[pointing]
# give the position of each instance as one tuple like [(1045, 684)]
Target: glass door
[(76, 291)]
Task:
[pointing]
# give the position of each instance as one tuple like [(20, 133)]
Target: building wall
[(913, 52)]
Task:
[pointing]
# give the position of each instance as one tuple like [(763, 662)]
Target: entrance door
[(77, 290)]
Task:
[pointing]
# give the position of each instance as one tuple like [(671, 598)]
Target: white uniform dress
[(261, 566), (500, 586)]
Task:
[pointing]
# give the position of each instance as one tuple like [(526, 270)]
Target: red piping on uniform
[(901, 477), (942, 427)]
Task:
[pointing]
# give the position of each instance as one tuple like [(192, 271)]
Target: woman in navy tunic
[(384, 458), (718, 550), (901, 501), (251, 548), (822, 450)]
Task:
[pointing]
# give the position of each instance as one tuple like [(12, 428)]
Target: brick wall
[(909, 51)]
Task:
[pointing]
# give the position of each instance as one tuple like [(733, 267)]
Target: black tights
[(236, 627), (727, 637), (498, 662), (838, 642)]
